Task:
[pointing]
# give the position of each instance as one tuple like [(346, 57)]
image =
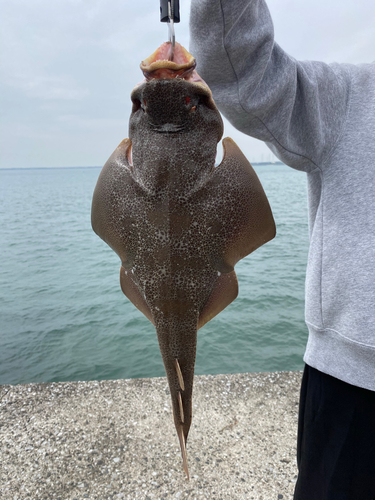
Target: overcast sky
[(68, 67)]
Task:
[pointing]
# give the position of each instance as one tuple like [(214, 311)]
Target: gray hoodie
[(319, 118)]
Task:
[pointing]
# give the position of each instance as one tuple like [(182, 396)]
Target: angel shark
[(178, 223)]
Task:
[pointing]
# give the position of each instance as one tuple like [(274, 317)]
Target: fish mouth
[(160, 66), (170, 91), (167, 128)]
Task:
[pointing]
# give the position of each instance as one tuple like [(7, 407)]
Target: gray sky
[(68, 67)]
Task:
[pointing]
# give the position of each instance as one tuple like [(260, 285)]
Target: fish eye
[(188, 101), (143, 105)]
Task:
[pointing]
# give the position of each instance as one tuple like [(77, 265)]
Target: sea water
[(63, 315)]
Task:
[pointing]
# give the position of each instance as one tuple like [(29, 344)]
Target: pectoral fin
[(111, 214), (245, 216)]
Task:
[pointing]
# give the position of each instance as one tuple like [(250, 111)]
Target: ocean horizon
[(259, 163)]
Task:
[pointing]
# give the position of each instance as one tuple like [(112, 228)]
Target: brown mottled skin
[(178, 224)]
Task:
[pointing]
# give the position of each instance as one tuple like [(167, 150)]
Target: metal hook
[(172, 36), (170, 13)]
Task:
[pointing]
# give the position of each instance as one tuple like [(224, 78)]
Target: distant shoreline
[(262, 163), (44, 168), (256, 163)]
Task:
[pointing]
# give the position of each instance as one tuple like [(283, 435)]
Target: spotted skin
[(178, 224)]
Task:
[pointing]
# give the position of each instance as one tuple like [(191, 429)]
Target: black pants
[(336, 440)]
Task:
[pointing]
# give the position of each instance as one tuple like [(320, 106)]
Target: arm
[(297, 108)]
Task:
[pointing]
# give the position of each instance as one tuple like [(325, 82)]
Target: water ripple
[(64, 317)]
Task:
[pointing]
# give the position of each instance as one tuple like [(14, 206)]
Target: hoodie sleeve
[(297, 108)]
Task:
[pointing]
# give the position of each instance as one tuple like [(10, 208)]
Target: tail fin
[(181, 437), (178, 341)]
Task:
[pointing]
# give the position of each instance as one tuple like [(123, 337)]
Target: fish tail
[(177, 342), (181, 437)]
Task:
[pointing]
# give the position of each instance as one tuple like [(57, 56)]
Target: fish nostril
[(187, 100)]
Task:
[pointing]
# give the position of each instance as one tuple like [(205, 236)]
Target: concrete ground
[(116, 439)]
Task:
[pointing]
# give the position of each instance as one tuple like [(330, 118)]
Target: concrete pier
[(116, 439)]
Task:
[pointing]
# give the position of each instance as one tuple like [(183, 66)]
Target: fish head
[(173, 99), (173, 106)]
